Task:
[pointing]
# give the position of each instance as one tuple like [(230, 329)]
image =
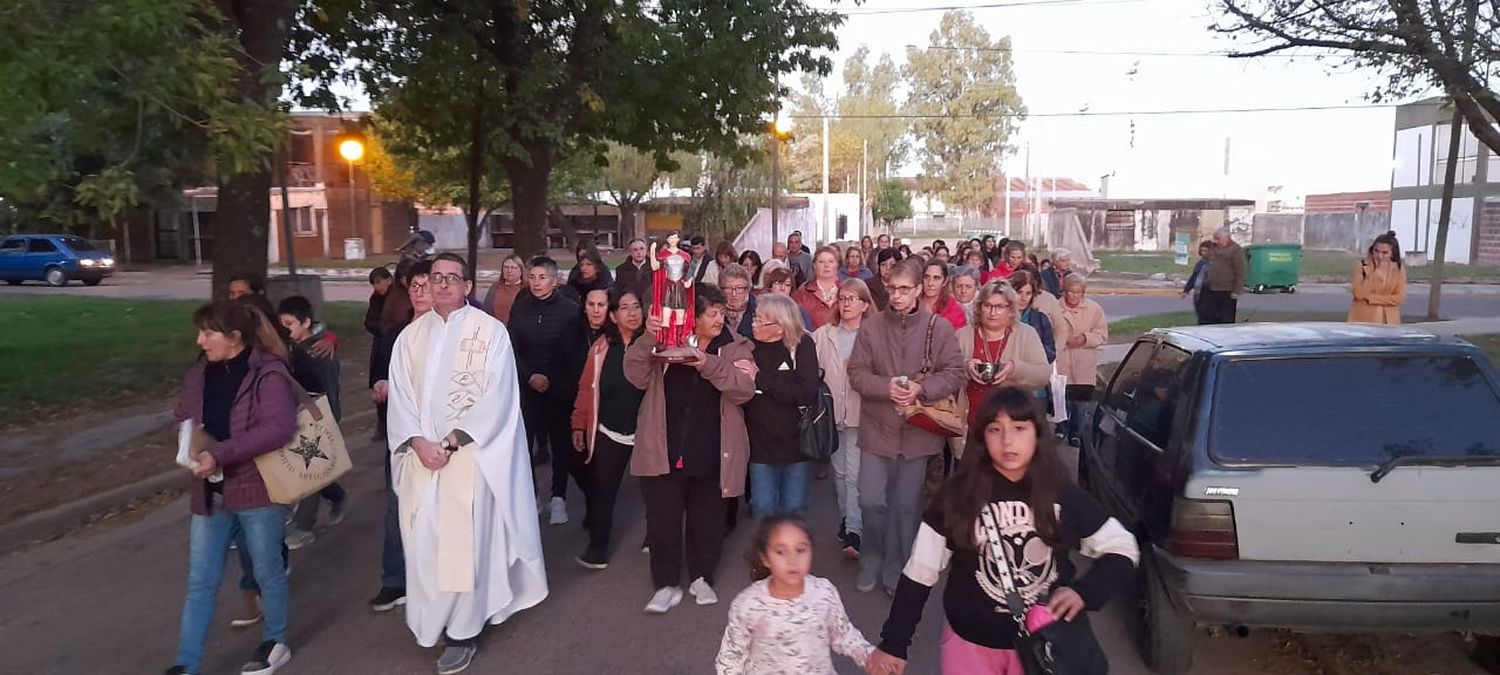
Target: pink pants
[(961, 657)]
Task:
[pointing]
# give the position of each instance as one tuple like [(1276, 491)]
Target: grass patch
[(65, 355), (1489, 344), (1327, 264), (1127, 330)]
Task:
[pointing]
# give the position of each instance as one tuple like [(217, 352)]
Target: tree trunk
[(529, 182), (242, 219), (476, 175), (1435, 294), (627, 221), (559, 220)]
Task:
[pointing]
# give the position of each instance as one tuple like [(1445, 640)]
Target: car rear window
[(1353, 410), (79, 244)]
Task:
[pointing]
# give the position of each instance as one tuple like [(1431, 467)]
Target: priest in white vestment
[(461, 472)]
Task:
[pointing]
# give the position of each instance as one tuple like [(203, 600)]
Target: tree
[(669, 75), (962, 91), (628, 177), (891, 203), (867, 111), (1448, 44)]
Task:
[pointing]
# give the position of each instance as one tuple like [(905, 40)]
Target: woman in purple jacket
[(242, 397)]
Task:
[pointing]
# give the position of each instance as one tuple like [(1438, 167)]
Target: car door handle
[(1477, 538)]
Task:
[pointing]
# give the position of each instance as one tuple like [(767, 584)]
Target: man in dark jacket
[(739, 305), (635, 273), (547, 335), (380, 284), (1226, 276)]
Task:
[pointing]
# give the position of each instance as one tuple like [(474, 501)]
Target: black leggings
[(603, 475)]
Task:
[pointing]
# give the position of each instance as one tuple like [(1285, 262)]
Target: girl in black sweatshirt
[(1009, 502)]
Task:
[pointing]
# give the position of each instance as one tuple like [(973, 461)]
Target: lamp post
[(352, 149), (781, 130)]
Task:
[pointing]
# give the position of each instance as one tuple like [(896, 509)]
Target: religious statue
[(672, 298)]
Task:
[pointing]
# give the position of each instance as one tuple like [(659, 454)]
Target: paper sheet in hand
[(185, 445)]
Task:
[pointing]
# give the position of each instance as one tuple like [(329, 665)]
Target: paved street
[(1458, 300), (108, 601)]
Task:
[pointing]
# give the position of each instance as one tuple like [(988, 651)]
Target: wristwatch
[(449, 446)]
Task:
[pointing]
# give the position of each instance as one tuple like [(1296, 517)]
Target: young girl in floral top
[(787, 620)]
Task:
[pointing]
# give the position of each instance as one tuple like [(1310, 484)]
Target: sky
[(1176, 155)]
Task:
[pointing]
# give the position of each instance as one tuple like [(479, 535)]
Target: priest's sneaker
[(457, 656), (703, 592), (559, 512), (268, 657), (388, 599), (664, 599)]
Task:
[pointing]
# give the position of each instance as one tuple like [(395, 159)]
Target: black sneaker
[(851, 545), (456, 657), (268, 657), (388, 599), (176, 670), (593, 558)]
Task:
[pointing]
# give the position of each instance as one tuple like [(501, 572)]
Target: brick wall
[(1489, 234), (1344, 202)]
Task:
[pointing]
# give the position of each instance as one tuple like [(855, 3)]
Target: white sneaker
[(703, 592), (296, 538), (268, 658), (664, 599), (559, 512)]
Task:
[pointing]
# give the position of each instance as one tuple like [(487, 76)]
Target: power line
[(1090, 52), (1104, 113), (871, 11)]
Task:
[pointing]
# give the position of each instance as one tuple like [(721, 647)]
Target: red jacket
[(822, 314), (264, 419)]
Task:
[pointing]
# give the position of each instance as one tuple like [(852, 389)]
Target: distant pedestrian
[(381, 281), (503, 293), (634, 274), (589, 275), (1379, 283), (392, 592), (1197, 281), (1226, 279), (878, 284), (937, 294), (854, 265), (1054, 274), (604, 420), (1014, 258), (1080, 331), (799, 259), (787, 621), (1005, 524), (241, 397), (316, 376), (750, 260), (785, 370)]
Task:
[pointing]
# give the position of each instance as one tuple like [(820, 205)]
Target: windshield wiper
[(1389, 465)]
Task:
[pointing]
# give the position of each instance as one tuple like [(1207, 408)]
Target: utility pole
[(830, 233)]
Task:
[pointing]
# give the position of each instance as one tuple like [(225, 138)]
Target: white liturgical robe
[(469, 530)]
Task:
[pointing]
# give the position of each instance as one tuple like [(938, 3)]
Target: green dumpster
[(1273, 266)]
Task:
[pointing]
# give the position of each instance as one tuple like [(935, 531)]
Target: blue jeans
[(208, 546), (780, 489)]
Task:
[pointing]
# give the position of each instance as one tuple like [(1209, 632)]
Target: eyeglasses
[(903, 289), (418, 288), (996, 309), (446, 279), (736, 289), (850, 298), (763, 323)]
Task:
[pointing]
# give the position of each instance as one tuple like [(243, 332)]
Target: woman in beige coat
[(996, 336), (835, 343), (1079, 331), (1379, 283)]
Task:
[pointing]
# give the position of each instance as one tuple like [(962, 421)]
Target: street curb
[(1120, 290), (52, 523)]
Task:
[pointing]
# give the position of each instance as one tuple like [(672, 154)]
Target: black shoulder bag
[(1059, 648)]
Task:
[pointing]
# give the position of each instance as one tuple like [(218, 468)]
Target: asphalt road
[(1458, 300)]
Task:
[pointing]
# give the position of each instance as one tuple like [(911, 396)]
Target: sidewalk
[(1115, 353)]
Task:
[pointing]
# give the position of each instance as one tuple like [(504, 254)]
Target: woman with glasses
[(999, 349), (835, 343), (785, 369)]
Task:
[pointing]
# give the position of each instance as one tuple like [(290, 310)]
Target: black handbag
[(817, 432), (1059, 648)]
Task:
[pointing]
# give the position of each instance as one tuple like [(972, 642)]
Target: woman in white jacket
[(834, 343)]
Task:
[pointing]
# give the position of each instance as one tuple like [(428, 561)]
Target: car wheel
[(1291, 289), (13, 282), (1260, 289), (92, 281), (1166, 639), (56, 277)]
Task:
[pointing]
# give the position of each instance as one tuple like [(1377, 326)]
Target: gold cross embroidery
[(472, 346)]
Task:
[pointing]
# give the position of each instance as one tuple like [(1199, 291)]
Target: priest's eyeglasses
[(446, 279)]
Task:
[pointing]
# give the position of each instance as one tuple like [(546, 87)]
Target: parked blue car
[(53, 258)]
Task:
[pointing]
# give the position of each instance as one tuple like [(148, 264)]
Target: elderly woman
[(835, 343), (785, 369), (854, 265), (965, 286), (1025, 284), (1080, 330), (1054, 275), (999, 349)]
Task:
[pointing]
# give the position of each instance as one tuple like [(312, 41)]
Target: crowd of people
[(936, 369)]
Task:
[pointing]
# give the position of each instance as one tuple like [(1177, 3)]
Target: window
[(1158, 393), (1122, 387), (1468, 156), (43, 246), (302, 222), (1413, 162), (1353, 409), (79, 244), (12, 245)]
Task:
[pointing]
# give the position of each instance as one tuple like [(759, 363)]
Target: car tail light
[(1203, 528)]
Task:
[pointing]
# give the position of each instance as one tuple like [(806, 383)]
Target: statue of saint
[(672, 297)]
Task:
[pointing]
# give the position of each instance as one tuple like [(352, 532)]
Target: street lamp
[(781, 130), (352, 149)]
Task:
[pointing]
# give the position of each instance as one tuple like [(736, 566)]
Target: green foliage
[(107, 104), (963, 88), (891, 202), (867, 111)]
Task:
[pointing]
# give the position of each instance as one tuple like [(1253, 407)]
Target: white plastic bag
[(1058, 387)]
